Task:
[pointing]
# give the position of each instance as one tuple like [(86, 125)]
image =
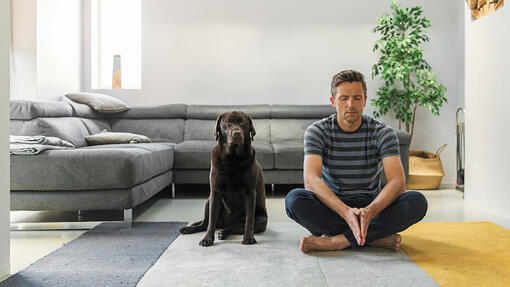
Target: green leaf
[(407, 78)]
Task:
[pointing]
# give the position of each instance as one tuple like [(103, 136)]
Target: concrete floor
[(28, 246)]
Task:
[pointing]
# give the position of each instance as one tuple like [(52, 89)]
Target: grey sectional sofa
[(122, 176)]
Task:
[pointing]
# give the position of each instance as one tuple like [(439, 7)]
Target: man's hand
[(365, 215), (351, 216)]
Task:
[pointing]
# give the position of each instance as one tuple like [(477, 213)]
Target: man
[(342, 203)]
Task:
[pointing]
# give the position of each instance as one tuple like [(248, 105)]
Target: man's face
[(349, 102)]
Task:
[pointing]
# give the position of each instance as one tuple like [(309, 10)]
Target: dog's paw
[(206, 242), (222, 235), (249, 241)]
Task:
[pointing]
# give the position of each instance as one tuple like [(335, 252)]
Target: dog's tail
[(198, 226)]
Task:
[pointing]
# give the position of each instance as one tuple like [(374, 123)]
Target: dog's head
[(234, 129)]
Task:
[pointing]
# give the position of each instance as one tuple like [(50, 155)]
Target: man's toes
[(305, 245), (302, 245), (398, 240)]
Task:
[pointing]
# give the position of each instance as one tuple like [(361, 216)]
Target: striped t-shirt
[(351, 161)]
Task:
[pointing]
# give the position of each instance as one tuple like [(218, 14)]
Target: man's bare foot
[(323, 243), (391, 242)]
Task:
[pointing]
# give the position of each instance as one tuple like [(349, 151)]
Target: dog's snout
[(236, 133)]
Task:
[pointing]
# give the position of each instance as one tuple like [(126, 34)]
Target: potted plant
[(408, 79)]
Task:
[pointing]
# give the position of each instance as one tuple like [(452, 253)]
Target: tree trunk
[(412, 123), (407, 123)]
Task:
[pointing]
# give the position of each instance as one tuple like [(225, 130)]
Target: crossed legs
[(331, 232)]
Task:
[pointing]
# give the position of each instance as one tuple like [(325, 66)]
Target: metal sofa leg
[(128, 216), (173, 190)]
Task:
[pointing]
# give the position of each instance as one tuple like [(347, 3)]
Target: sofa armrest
[(404, 139)]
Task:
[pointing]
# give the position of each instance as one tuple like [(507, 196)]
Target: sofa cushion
[(211, 112), (197, 154), (301, 111), (203, 129), (95, 126), (193, 154), (31, 109), (170, 111), (92, 167), (289, 129), (167, 130), (106, 137), (99, 102), (82, 110), (288, 155), (67, 128)]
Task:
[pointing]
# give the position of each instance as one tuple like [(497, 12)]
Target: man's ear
[(252, 129), (217, 127)]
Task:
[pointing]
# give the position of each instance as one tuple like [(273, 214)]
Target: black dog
[(237, 202)]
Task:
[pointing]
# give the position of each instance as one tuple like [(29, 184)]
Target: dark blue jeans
[(304, 207)]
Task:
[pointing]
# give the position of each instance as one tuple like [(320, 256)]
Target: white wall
[(487, 115), (58, 47), (47, 48), (4, 142), (24, 50), (285, 52)]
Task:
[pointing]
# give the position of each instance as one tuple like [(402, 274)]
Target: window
[(116, 29)]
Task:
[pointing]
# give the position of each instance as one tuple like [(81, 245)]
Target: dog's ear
[(217, 127), (252, 129)]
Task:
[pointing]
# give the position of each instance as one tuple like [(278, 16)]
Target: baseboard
[(447, 185), (4, 272), (503, 220)]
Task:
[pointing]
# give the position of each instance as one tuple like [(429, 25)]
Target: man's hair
[(347, 76)]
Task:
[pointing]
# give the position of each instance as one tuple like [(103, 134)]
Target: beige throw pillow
[(106, 137), (99, 102)]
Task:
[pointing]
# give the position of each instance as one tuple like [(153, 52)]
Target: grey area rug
[(110, 254), (277, 261)]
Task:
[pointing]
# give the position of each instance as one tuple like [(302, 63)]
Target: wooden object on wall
[(480, 8), (116, 77)]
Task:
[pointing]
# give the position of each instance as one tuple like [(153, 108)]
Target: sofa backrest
[(159, 123), (170, 123), (201, 119), (289, 122), (49, 118)]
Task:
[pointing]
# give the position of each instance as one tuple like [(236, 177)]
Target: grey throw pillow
[(106, 137), (99, 102)]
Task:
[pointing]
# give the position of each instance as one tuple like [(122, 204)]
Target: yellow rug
[(460, 253)]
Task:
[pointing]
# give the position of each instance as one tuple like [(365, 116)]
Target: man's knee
[(418, 203), (294, 200)]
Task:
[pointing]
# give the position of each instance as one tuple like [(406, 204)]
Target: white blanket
[(28, 145)]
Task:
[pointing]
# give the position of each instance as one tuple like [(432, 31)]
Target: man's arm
[(396, 185), (312, 170)]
